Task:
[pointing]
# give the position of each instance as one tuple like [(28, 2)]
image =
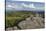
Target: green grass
[(12, 18)]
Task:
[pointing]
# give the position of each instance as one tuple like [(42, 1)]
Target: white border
[(2, 14)]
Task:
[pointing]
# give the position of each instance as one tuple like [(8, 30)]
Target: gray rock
[(35, 22)]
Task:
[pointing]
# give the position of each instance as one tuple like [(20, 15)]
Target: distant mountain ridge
[(39, 12)]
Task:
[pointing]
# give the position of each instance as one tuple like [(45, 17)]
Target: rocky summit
[(32, 22)]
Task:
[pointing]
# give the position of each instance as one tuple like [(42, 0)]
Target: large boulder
[(34, 23)]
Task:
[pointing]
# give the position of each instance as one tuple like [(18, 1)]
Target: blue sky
[(24, 5), (28, 0)]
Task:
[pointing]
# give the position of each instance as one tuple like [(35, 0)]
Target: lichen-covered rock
[(35, 22)]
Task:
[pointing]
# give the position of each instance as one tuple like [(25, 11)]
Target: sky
[(25, 5), (28, 0)]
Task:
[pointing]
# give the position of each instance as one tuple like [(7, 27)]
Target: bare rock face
[(32, 23)]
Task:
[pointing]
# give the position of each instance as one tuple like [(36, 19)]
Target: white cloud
[(24, 6), (20, 6), (28, 6), (31, 6), (9, 6)]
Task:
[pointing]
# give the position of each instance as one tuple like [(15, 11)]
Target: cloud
[(9, 5), (31, 6), (23, 6), (28, 6)]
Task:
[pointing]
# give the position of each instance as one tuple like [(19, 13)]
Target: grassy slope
[(12, 17)]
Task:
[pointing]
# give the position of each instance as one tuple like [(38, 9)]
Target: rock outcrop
[(30, 23)]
